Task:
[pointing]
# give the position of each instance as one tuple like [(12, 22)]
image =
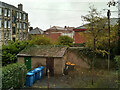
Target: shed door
[(27, 61), (50, 65)]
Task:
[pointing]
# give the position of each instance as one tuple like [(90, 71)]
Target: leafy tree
[(65, 40), (40, 40), (97, 33), (95, 27), (10, 51)]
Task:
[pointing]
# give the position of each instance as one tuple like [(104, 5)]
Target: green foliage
[(10, 51), (12, 75), (65, 40), (40, 40), (79, 45)]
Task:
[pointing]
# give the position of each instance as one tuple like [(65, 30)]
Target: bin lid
[(33, 71), (30, 74), (42, 67), (37, 69)]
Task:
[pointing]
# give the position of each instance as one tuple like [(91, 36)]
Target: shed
[(50, 56)]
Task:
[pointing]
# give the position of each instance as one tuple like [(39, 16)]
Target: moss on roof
[(44, 51)]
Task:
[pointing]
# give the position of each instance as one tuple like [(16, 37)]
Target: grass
[(81, 78)]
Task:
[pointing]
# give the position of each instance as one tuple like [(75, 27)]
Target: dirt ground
[(80, 78)]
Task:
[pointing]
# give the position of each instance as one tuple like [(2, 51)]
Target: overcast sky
[(46, 13)]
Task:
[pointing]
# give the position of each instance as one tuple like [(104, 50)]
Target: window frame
[(5, 23), (9, 24), (5, 12)]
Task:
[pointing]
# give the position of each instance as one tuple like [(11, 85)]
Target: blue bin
[(29, 79), (39, 72), (42, 71), (33, 75)]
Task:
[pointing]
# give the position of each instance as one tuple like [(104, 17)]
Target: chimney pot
[(20, 7)]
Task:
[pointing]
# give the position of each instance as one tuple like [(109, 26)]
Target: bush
[(12, 75), (65, 40), (10, 51), (40, 40)]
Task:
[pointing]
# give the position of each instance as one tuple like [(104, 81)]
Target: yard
[(80, 78)]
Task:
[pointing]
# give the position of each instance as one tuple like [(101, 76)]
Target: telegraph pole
[(108, 15)]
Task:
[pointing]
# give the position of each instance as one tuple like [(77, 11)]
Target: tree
[(95, 27), (97, 33), (65, 40), (40, 40), (10, 51)]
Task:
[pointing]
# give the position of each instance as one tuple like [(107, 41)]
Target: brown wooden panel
[(50, 65)]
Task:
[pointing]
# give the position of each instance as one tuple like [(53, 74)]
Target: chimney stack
[(31, 28), (20, 7)]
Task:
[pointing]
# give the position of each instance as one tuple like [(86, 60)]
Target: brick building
[(56, 31), (78, 35), (13, 22)]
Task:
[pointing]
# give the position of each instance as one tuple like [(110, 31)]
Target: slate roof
[(5, 5), (57, 28), (36, 31), (44, 51)]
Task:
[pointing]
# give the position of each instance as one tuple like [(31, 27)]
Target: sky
[(47, 13)]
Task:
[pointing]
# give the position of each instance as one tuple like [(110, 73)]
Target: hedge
[(12, 75)]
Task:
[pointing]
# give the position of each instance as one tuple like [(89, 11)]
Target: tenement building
[(13, 22)]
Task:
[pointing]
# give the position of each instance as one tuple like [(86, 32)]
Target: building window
[(14, 39), (0, 11), (17, 15), (24, 35), (0, 23), (5, 35), (0, 35), (5, 12), (17, 25), (20, 25), (9, 35), (8, 13), (18, 36), (24, 26), (20, 15), (13, 30), (5, 24), (24, 16), (13, 19), (9, 25)]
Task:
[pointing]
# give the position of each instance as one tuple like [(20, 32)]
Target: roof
[(36, 31), (44, 51), (113, 21), (5, 5), (80, 28), (57, 28)]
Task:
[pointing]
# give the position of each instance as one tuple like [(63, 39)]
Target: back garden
[(14, 74)]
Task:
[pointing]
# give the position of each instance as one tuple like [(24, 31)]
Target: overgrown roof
[(44, 51)]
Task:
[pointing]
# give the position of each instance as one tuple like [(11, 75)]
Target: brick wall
[(79, 38)]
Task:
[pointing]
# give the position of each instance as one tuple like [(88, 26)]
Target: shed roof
[(44, 51)]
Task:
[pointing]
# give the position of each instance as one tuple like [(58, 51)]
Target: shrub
[(65, 40), (12, 75), (40, 40), (10, 51)]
